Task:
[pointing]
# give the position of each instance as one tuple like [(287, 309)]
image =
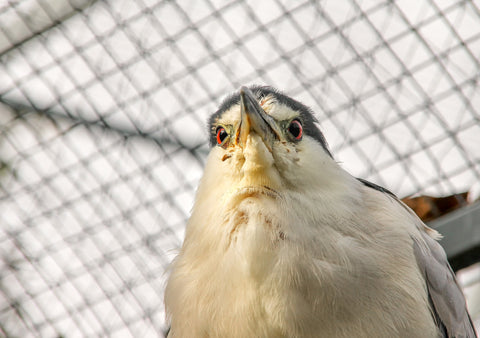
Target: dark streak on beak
[(253, 117)]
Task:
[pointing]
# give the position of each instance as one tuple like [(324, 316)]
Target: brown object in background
[(428, 207)]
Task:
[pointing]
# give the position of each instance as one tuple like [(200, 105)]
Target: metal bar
[(41, 30), (461, 231), (20, 108)]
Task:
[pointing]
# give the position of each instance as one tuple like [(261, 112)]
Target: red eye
[(221, 135), (295, 128)]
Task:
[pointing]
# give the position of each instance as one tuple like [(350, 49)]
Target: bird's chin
[(256, 192)]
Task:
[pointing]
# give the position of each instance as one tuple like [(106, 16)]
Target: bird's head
[(263, 139)]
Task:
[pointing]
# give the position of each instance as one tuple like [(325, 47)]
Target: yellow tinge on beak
[(254, 118), (255, 136)]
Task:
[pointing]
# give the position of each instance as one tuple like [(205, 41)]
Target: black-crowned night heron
[(282, 242)]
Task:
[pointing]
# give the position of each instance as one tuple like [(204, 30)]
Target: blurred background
[(103, 108)]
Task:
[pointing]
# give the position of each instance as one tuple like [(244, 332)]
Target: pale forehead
[(269, 104)]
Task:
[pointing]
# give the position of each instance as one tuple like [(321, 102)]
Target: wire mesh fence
[(102, 137)]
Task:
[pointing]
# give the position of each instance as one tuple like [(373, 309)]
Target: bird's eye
[(295, 129), (221, 135)]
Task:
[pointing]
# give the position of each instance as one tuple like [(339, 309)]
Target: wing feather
[(444, 293), (446, 297)]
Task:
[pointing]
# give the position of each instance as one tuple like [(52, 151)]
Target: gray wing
[(445, 296)]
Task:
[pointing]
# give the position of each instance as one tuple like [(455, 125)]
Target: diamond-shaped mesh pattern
[(103, 138)]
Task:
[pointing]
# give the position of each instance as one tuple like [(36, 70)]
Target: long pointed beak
[(254, 118)]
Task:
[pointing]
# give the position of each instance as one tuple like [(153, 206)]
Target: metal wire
[(103, 136)]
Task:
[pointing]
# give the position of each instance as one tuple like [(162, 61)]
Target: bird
[(283, 242)]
